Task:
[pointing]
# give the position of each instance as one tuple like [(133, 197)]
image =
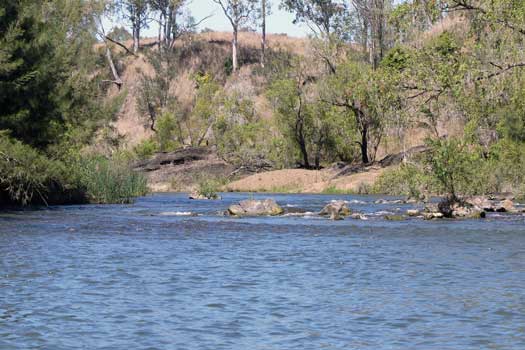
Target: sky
[(278, 22)]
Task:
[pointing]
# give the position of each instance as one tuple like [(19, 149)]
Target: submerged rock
[(336, 210), (253, 207), (394, 217)]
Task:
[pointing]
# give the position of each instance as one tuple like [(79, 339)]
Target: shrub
[(166, 128), (25, 174), (405, 180), (208, 188), (145, 149)]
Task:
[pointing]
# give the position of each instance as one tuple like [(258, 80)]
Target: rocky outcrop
[(253, 207), (336, 210), (181, 170)]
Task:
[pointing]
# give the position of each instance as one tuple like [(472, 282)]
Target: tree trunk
[(136, 38), (114, 71), (364, 34), (304, 152), (234, 49), (263, 32), (364, 145), (162, 25)]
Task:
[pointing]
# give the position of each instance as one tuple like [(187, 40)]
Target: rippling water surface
[(146, 276)]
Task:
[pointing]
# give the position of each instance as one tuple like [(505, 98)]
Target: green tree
[(45, 60)]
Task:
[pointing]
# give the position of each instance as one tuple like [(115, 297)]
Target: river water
[(146, 276)]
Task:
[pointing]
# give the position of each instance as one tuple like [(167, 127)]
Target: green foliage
[(228, 66), (146, 149), (166, 128), (408, 179), (45, 88), (208, 188), (109, 180), (154, 94), (241, 136), (453, 165), (205, 110), (397, 59), (25, 174)]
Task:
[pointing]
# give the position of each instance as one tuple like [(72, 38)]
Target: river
[(147, 276)]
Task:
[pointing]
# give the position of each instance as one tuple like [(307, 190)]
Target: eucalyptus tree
[(264, 12), (323, 17), (136, 13), (167, 11), (238, 13)]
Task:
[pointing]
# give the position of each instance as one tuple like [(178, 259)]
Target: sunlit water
[(146, 276)]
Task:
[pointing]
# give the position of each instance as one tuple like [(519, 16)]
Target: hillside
[(208, 52), (205, 52)]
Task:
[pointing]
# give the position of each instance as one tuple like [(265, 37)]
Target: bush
[(166, 128), (404, 180), (25, 174), (146, 149), (208, 188)]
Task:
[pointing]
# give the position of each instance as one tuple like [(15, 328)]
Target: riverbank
[(330, 180), (184, 169)]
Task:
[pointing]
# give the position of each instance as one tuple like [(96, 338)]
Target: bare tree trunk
[(136, 38), (116, 76), (162, 25), (263, 32), (364, 34), (377, 31), (234, 49)]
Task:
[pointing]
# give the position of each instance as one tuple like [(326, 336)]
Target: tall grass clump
[(110, 180)]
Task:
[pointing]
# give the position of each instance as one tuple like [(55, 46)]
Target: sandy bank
[(306, 181)]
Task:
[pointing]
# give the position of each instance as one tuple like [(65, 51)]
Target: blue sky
[(278, 22)]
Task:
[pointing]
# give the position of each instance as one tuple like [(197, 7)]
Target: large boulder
[(336, 210), (253, 207)]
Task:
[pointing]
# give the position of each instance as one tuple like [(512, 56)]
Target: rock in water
[(413, 212), (394, 218), (480, 202), (253, 207), (506, 206), (196, 195), (452, 207), (336, 210)]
